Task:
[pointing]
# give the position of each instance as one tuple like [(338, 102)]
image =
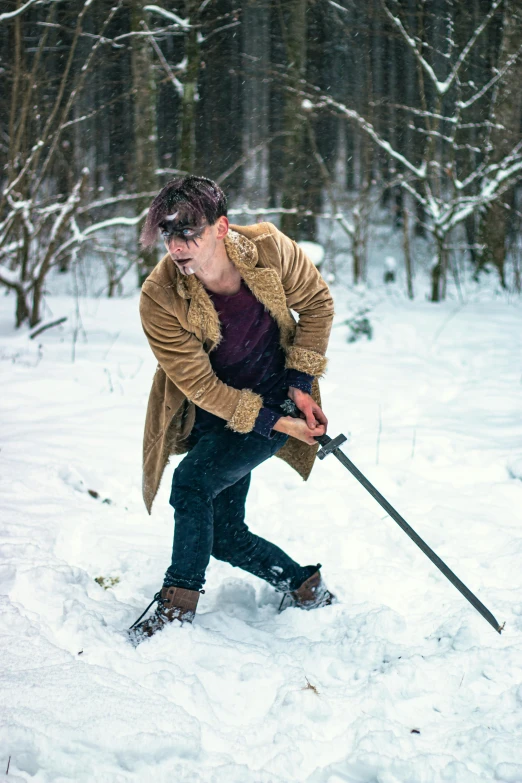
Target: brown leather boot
[(174, 603), (313, 594)]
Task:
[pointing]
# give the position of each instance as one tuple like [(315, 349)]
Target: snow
[(313, 250), (400, 682)]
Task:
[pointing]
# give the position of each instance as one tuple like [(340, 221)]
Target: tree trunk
[(187, 143), (38, 290), (341, 155), (407, 249), (256, 47), (22, 308), (143, 170), (294, 34), (358, 247), (506, 114), (376, 57), (438, 272)]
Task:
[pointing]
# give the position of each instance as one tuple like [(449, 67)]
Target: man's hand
[(312, 423), (309, 408), (298, 428)]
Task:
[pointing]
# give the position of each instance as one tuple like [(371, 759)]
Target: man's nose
[(174, 245)]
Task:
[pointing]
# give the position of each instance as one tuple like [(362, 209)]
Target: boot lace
[(157, 599)]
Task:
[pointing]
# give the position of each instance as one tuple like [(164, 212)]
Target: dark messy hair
[(194, 199)]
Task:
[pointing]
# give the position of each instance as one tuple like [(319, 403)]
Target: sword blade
[(428, 551)]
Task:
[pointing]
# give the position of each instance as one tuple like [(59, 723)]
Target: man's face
[(191, 247)]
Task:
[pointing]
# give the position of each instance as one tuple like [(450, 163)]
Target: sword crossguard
[(329, 444)]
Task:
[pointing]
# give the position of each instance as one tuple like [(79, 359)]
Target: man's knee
[(188, 482), (234, 548)]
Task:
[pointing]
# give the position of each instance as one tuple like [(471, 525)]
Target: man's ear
[(222, 227)]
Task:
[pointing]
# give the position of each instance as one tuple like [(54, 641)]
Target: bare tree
[(144, 163), (504, 133), (255, 31), (39, 225), (293, 25), (447, 192)]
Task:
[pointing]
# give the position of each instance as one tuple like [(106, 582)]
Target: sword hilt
[(328, 444)]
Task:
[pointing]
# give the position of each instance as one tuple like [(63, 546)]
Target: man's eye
[(188, 232)]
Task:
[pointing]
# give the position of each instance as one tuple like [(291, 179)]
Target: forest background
[(315, 114)]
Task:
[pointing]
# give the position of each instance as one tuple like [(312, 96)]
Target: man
[(216, 312)]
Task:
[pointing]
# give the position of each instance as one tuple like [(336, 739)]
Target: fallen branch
[(47, 326)]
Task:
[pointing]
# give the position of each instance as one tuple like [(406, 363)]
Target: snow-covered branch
[(184, 23), (414, 47), (9, 277), (453, 120), (471, 43), (492, 189), (115, 221), (106, 202), (12, 185), (441, 87), (320, 100), (59, 227), (142, 34), (247, 156), (449, 139), (339, 7), (12, 14), (205, 38), (168, 70), (491, 83)]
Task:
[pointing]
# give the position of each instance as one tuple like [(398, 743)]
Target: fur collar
[(264, 283)]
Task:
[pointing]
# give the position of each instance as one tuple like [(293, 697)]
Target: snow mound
[(514, 468)]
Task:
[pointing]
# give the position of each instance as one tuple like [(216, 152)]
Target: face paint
[(190, 244), (171, 228)]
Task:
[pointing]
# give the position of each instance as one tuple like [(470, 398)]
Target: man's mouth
[(185, 264)]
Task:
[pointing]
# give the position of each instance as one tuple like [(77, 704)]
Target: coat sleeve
[(308, 295), (183, 358)]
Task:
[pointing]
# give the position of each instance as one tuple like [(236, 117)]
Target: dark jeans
[(209, 491)]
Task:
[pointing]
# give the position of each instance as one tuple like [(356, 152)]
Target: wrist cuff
[(266, 418), (299, 380)]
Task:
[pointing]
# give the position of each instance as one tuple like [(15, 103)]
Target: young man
[(216, 312)]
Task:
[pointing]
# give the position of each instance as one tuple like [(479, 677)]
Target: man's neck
[(220, 276)]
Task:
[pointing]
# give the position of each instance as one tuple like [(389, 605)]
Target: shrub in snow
[(359, 326), (390, 269), (107, 581)]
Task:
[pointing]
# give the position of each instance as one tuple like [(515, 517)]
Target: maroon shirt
[(249, 356)]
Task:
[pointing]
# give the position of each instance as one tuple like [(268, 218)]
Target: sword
[(331, 446)]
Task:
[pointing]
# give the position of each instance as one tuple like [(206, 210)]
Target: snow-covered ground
[(400, 682)]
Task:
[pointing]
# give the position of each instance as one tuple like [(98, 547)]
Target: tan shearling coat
[(182, 327)]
